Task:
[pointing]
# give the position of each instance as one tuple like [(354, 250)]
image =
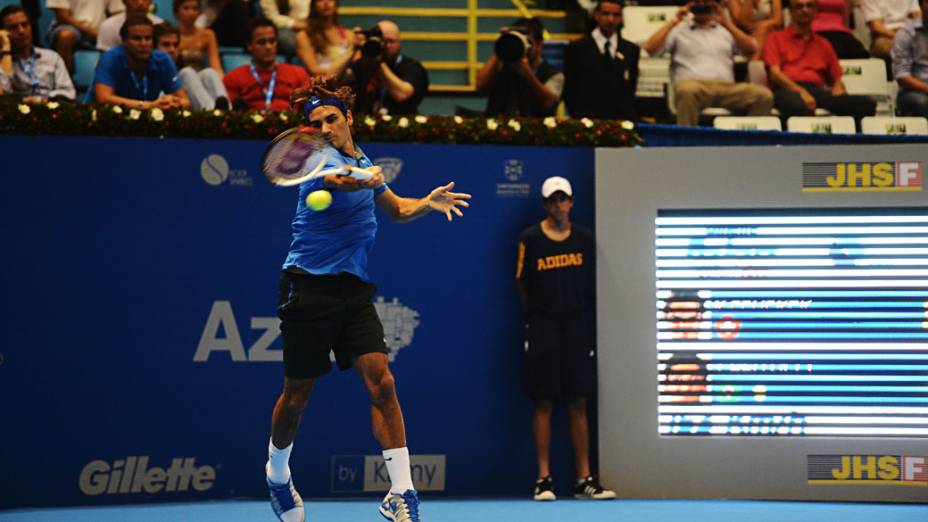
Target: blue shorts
[(559, 359)]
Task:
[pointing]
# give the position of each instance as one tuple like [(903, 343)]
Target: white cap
[(554, 184)]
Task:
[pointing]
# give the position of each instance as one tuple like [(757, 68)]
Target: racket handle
[(359, 173)]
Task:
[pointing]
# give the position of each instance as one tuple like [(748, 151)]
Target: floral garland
[(64, 118)]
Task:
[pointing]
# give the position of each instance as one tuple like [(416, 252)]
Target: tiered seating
[(821, 124), (893, 125)]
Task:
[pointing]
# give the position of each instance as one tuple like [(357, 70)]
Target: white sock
[(278, 463), (397, 461)]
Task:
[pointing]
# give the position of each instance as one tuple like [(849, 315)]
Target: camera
[(373, 43), (513, 44)]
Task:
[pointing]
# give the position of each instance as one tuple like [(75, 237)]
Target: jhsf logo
[(862, 176), (133, 475), (902, 470), (399, 326)]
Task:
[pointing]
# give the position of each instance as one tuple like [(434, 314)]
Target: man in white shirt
[(884, 18), (77, 23), (32, 74), (702, 49), (108, 36)]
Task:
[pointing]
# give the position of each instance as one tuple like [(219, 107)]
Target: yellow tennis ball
[(319, 200)]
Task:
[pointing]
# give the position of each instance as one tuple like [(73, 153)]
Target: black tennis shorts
[(559, 357), (321, 314)]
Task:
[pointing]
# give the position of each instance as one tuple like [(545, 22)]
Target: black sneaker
[(544, 489), (590, 489)]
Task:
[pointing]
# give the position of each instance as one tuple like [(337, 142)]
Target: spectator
[(77, 23), (702, 50), (884, 18), (387, 81), (263, 83), (290, 18), (805, 72), (910, 65), (204, 87), (757, 18), (198, 47), (108, 36), (37, 74), (601, 70), (559, 360), (135, 75), (325, 47), (833, 24), (521, 84)]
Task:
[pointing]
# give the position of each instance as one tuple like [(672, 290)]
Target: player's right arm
[(521, 287)]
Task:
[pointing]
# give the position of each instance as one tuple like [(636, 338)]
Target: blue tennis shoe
[(401, 508)]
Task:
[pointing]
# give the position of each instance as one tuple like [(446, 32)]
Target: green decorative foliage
[(64, 118)]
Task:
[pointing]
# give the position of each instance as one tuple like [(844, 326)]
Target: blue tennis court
[(503, 510)]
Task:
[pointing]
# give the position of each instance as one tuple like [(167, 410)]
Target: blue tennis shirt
[(160, 75), (339, 238)]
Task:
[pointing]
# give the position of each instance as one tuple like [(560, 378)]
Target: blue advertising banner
[(140, 358)]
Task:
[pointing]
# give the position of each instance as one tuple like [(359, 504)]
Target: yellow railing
[(471, 37)]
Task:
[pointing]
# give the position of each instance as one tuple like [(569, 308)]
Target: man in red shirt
[(263, 83), (804, 71)]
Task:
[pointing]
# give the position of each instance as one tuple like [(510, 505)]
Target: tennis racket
[(298, 155)]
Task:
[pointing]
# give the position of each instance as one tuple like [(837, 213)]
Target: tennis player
[(326, 300)]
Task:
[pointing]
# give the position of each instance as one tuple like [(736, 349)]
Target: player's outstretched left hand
[(443, 200)]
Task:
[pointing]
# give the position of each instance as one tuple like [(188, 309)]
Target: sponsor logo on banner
[(399, 324), (221, 332), (513, 170), (884, 176), (134, 475), (391, 168), (889, 470), (368, 473), (214, 169)]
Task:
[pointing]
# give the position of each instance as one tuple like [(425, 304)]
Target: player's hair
[(163, 29), (12, 9), (131, 21), (322, 86)]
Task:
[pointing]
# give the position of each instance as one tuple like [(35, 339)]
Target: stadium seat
[(893, 125), (770, 123), (164, 9), (640, 22), (868, 78), (653, 77), (821, 124), (85, 63)]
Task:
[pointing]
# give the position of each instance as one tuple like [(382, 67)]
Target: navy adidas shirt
[(339, 238)]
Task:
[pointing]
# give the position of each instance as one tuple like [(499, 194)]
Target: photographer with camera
[(385, 80), (516, 79), (702, 42), (602, 69)]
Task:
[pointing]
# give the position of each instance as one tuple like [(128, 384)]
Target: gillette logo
[(133, 475)]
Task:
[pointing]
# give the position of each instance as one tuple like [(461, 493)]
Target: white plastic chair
[(893, 125), (821, 124), (868, 78), (771, 123)]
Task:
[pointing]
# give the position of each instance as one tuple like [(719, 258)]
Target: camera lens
[(701, 9), (372, 47), (511, 46)]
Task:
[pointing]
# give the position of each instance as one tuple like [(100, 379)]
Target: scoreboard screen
[(792, 322)]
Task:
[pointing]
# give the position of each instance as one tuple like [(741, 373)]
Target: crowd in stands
[(147, 62)]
